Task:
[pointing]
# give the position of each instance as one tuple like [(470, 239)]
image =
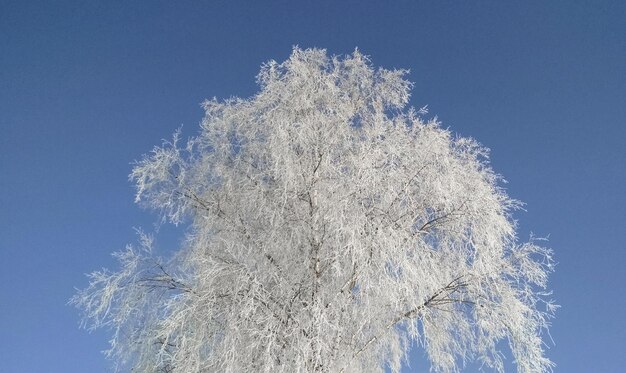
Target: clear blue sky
[(86, 87)]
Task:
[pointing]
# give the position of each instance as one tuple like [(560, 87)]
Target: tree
[(330, 228)]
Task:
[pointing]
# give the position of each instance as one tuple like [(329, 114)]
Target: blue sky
[(88, 87)]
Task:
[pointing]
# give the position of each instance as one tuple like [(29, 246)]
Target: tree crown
[(330, 227)]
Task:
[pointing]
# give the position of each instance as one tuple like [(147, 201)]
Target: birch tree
[(330, 227)]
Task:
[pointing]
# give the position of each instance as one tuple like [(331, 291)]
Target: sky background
[(86, 87)]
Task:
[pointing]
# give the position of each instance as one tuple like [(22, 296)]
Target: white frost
[(330, 227)]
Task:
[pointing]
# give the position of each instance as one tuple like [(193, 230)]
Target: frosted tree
[(331, 228)]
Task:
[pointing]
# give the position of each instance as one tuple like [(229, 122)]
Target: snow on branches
[(330, 227)]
